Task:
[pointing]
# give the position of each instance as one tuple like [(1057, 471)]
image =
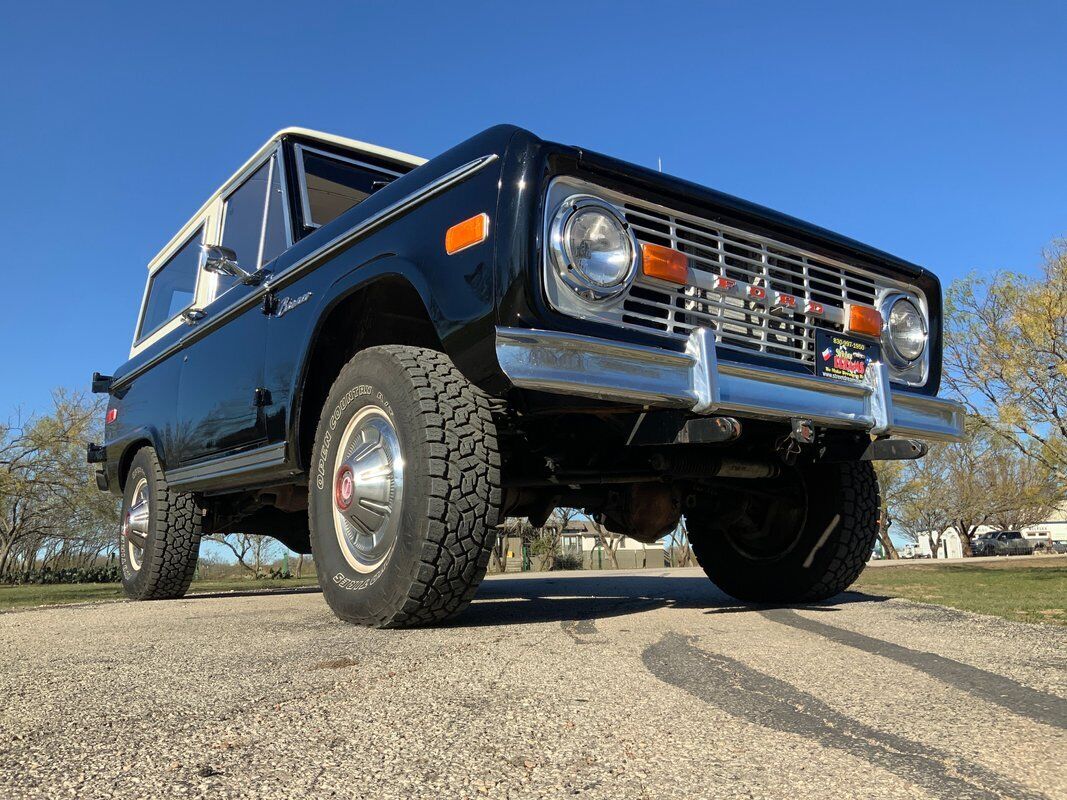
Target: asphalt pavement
[(642, 684)]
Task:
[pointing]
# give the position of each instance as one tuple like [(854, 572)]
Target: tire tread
[(463, 480), (177, 528), (857, 501)]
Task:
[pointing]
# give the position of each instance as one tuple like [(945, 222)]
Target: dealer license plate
[(843, 358)]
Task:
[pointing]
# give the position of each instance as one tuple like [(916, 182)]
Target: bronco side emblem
[(287, 304)]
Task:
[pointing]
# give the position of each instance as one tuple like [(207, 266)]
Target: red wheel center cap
[(345, 487)]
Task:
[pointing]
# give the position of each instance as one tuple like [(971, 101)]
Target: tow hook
[(790, 446)]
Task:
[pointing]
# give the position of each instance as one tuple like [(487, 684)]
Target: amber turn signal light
[(664, 263), (865, 320), (467, 233)]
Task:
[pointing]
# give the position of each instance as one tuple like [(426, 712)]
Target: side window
[(254, 239), (331, 185), (274, 242), (171, 287)]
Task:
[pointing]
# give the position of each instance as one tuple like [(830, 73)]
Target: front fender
[(459, 313)]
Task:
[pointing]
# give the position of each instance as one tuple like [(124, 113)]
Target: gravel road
[(620, 685)]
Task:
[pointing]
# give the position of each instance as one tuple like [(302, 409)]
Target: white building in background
[(950, 546), (1055, 531), (580, 537)]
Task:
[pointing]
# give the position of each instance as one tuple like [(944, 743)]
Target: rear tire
[(159, 540), (811, 549), (405, 489)]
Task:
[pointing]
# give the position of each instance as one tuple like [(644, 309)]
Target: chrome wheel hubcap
[(135, 524), (368, 487)]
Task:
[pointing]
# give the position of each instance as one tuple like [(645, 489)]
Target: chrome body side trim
[(271, 455), (311, 260), (604, 369)]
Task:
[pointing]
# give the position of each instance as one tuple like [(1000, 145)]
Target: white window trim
[(209, 213), (204, 221), (305, 202)]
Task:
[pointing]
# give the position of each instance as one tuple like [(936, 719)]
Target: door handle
[(191, 316)]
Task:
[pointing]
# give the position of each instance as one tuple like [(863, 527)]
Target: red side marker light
[(112, 415)]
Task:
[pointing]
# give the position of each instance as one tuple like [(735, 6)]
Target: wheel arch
[(388, 308), (136, 442)]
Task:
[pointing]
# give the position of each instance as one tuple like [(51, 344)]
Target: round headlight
[(593, 248), (906, 331)]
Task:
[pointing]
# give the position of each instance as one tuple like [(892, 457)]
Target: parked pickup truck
[(1002, 543), (377, 358)]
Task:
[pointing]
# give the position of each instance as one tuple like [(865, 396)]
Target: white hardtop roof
[(354, 144)]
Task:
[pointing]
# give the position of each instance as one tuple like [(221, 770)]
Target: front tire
[(405, 489), (806, 539), (159, 540)]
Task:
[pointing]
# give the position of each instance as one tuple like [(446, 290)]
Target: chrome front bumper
[(604, 369)]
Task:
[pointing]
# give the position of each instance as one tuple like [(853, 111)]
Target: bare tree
[(510, 528), (1006, 357), (892, 483), (550, 539), (608, 542), (681, 552), (50, 513), (922, 506), (966, 485), (1024, 491), (252, 551)]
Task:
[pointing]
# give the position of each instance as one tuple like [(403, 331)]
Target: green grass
[(61, 594), (1029, 590), (1034, 590)]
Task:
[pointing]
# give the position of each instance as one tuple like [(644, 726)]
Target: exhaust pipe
[(680, 465)]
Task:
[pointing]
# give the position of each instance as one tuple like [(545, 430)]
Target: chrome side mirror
[(223, 261)]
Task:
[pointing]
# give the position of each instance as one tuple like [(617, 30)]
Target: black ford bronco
[(376, 359)]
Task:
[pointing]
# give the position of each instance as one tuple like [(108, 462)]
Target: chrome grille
[(715, 251)]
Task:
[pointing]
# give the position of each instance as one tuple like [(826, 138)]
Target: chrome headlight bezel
[(911, 371), (563, 259)]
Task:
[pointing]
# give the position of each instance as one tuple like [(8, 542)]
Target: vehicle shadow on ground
[(511, 601), (252, 593)]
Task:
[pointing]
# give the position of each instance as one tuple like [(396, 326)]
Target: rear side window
[(330, 185), (172, 287)]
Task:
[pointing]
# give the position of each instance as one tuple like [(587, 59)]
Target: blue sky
[(934, 131)]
